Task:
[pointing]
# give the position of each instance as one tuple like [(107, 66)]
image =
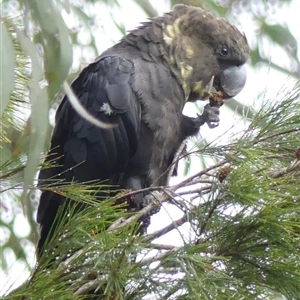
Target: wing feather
[(82, 151)]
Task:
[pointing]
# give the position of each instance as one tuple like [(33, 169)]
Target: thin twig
[(146, 210), (204, 192), (89, 286), (210, 213), (294, 166), (64, 264), (133, 193), (168, 228), (175, 227), (161, 246), (157, 257), (196, 191), (189, 179), (276, 134)]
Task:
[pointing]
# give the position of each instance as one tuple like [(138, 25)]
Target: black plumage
[(141, 85)]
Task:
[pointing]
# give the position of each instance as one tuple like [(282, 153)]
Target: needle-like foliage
[(239, 230)]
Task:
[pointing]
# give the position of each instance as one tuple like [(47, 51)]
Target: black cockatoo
[(141, 85)]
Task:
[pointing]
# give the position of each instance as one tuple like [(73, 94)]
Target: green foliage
[(7, 64), (24, 121), (243, 232)]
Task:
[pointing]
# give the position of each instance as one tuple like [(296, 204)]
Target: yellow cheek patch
[(185, 70), (185, 88), (168, 40), (171, 32), (200, 89), (189, 52), (172, 59), (197, 87)]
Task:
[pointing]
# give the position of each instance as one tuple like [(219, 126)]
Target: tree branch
[(294, 166)]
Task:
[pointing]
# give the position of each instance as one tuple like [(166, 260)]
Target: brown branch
[(90, 285), (195, 191), (164, 197), (132, 193), (294, 166), (161, 246), (191, 178), (157, 257), (64, 264), (168, 228), (146, 210), (204, 192)]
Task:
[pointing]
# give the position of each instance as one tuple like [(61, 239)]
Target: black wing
[(83, 152)]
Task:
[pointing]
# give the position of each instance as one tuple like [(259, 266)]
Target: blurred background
[(88, 28)]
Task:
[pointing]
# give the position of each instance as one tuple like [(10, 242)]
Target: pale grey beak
[(233, 80)]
